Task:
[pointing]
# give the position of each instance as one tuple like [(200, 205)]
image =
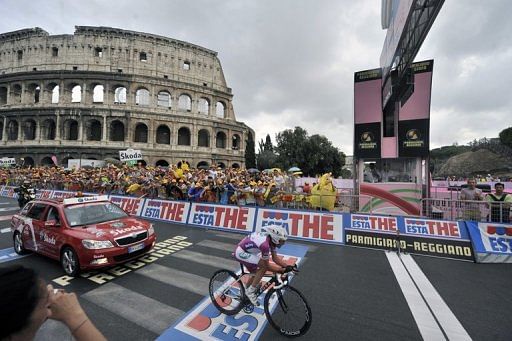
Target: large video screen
[(367, 113)]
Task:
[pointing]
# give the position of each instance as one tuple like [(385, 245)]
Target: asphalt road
[(354, 293)]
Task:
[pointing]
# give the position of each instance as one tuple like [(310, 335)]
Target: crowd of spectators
[(215, 184)]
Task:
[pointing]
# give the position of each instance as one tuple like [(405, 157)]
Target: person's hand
[(290, 268), (64, 307)]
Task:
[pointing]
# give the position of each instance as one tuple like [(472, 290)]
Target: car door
[(22, 223), (51, 232), (33, 225)]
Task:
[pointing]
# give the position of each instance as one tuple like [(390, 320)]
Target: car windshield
[(93, 213)]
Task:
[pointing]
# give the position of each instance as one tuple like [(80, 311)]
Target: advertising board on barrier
[(44, 194), (448, 239), (492, 242), (322, 226), (130, 205), (172, 211), (205, 322), (234, 218), (8, 191)]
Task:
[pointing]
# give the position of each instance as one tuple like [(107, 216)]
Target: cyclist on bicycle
[(254, 250)]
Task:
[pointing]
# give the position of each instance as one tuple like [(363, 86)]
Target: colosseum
[(102, 90)]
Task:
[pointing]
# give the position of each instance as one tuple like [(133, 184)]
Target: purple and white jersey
[(257, 243)]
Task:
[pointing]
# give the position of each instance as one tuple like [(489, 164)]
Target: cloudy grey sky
[(291, 62)]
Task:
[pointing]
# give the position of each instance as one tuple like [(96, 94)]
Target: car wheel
[(18, 244), (69, 262)]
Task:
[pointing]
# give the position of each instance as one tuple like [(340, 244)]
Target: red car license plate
[(136, 247)]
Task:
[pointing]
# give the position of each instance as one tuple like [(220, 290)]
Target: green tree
[(506, 137), (267, 145), (266, 156), (313, 155), (290, 147), (323, 157), (250, 154), (266, 159)]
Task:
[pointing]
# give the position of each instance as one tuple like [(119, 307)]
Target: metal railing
[(482, 211), (339, 202)]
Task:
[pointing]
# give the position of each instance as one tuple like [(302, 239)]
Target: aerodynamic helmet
[(276, 233)]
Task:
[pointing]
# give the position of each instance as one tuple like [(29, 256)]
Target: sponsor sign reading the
[(130, 155), (368, 222), (435, 228), (239, 218), (174, 211), (130, 205), (303, 224)]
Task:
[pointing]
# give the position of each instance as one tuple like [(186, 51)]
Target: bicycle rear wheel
[(288, 311), (227, 292)]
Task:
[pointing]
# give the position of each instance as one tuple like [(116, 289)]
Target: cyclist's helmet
[(276, 233)]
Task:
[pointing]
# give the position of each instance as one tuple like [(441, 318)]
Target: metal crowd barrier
[(343, 202), (481, 211)]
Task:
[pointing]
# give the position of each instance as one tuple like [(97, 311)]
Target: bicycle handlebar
[(283, 279)]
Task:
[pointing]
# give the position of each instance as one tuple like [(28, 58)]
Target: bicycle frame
[(275, 280)]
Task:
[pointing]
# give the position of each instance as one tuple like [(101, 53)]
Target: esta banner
[(309, 225), (234, 218), (492, 242), (44, 194), (439, 238), (130, 205), (164, 210), (8, 192)]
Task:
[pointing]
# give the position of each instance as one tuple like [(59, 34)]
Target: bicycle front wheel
[(288, 311), (227, 292)]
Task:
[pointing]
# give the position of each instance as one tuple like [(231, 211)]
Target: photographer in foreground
[(26, 302)]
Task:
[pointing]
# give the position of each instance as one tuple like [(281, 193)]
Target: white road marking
[(12, 208), (5, 230), (427, 325), (448, 321), (434, 318), (216, 262), (235, 236), (218, 245), (177, 278), (5, 217), (136, 308)]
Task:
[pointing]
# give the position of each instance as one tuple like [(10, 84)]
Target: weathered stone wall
[(84, 95)]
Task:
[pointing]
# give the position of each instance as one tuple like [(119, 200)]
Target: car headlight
[(151, 230), (96, 244)]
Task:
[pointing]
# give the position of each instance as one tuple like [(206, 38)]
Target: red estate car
[(83, 232)]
